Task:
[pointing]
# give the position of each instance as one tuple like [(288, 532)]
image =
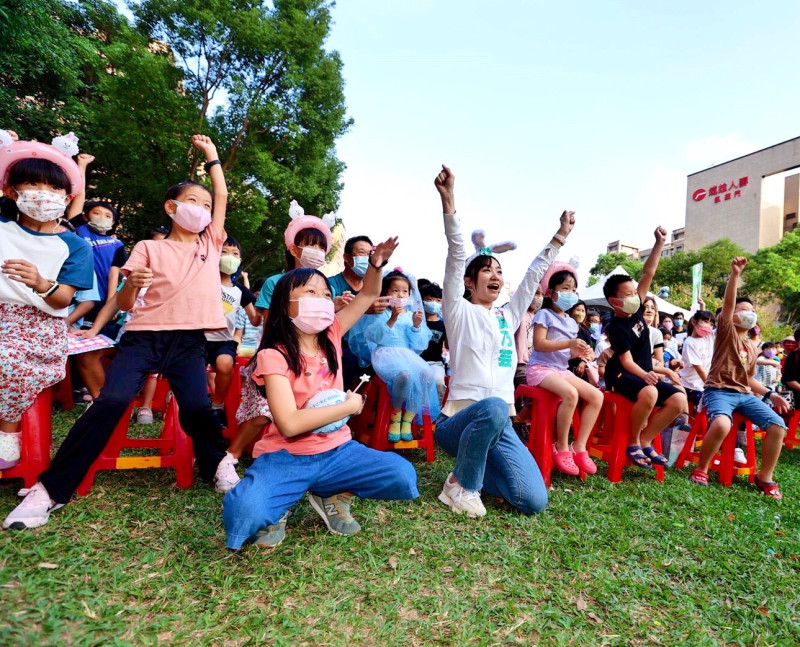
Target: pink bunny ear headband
[(558, 266), (301, 221), (60, 153), (482, 249)]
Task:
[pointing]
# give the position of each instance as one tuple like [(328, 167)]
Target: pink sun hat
[(559, 266), (60, 153), (300, 221)]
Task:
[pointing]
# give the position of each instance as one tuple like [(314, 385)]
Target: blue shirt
[(108, 252), (339, 285), (265, 296)]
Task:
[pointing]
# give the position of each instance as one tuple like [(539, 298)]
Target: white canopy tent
[(593, 296)]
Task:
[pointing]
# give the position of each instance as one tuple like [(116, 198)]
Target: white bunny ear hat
[(299, 221), (482, 249)]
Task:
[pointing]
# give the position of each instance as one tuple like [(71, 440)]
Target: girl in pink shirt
[(308, 446), (164, 335)]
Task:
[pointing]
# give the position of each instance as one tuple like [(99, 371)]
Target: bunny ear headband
[(482, 249), (558, 266), (60, 153), (300, 221)]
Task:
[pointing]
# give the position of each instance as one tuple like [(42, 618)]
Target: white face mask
[(102, 225), (746, 319), (228, 263), (41, 205), (312, 258)]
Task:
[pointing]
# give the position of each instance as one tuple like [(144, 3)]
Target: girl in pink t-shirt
[(164, 335), (308, 446)]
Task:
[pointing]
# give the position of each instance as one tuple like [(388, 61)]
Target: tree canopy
[(255, 76)]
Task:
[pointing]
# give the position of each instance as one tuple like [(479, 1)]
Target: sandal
[(699, 477), (565, 462), (636, 456), (655, 458), (769, 489)]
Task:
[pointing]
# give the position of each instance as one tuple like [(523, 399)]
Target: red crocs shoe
[(565, 462), (584, 461)]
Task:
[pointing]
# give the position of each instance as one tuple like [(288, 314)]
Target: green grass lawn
[(139, 562)]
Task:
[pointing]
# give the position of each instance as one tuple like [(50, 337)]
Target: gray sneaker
[(335, 512), (274, 534)]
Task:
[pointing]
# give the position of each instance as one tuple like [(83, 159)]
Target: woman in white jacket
[(475, 424)]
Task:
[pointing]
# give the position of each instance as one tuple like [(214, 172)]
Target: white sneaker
[(226, 477), (460, 500), (34, 511), (739, 456)]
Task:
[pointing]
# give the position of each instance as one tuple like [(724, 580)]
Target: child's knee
[(776, 430), (569, 396), (648, 396), (678, 401), (595, 397), (224, 364)]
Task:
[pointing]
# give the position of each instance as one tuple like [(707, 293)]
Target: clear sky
[(599, 107)]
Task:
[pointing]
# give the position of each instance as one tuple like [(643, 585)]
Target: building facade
[(752, 200)]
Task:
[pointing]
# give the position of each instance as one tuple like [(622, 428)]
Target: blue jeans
[(490, 456), (276, 481), (719, 402)]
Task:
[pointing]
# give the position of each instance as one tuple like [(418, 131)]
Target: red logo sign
[(724, 191)]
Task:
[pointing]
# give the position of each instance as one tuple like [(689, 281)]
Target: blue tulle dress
[(395, 357)]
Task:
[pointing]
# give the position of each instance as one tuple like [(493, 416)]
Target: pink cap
[(558, 266)]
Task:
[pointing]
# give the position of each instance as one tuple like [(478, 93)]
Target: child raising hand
[(165, 334)]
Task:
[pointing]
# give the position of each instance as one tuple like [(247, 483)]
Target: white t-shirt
[(63, 257), (234, 298), (697, 351)]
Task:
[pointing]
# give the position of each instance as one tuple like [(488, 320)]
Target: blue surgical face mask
[(566, 300), (432, 307), (360, 265), (594, 327)]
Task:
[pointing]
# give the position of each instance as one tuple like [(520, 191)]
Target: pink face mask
[(191, 217), (314, 314), (402, 302), (667, 325), (312, 258), (702, 330)]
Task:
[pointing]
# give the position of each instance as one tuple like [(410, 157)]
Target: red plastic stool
[(36, 441), (234, 397), (174, 449), (159, 404), (544, 408), (610, 439), (378, 399), (792, 439), (723, 462), (62, 391)]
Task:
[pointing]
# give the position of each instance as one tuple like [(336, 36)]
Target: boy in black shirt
[(629, 371), (431, 295)]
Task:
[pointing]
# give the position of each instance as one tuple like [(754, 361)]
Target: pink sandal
[(565, 462), (583, 461)]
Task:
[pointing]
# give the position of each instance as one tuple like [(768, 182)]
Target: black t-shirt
[(628, 334), (791, 369), (433, 353)]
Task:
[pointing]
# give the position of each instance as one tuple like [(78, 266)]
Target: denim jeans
[(490, 456), (719, 402), (276, 481)]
